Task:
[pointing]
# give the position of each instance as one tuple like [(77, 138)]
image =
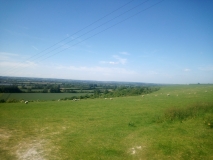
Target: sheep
[(168, 94), (76, 99), (26, 102), (111, 99)]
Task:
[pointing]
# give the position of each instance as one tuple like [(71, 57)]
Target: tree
[(97, 92), (55, 89), (45, 90), (9, 89)]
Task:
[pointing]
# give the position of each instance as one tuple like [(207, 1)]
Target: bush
[(2, 101), (10, 89), (12, 101)]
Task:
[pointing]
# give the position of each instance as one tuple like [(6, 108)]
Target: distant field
[(155, 126), (38, 96)]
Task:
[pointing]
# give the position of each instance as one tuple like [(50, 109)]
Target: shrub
[(2, 101), (12, 101)]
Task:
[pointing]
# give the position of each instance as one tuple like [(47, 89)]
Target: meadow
[(153, 126), (37, 96)]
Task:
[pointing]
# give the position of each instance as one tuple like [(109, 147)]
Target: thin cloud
[(18, 65), (120, 60), (96, 69), (110, 62), (7, 56), (124, 53), (187, 70)]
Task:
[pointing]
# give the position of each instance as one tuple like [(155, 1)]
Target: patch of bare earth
[(30, 150), (4, 135), (42, 146), (4, 138)]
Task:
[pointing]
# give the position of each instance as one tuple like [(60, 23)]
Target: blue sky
[(151, 41)]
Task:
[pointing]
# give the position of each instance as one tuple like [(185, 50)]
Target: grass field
[(155, 126), (38, 96)]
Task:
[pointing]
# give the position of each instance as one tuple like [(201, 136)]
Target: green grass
[(110, 129), (38, 96)]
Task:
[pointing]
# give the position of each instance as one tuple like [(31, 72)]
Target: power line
[(91, 29), (72, 34), (97, 27), (104, 29)]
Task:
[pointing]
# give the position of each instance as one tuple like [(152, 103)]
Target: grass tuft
[(208, 120), (132, 124), (196, 110)]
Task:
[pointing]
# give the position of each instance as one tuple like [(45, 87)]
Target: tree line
[(117, 92), (10, 89)]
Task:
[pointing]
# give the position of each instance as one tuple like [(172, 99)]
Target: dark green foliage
[(45, 90), (2, 101), (97, 93), (55, 89), (131, 124), (12, 101), (9, 89), (119, 92), (130, 91)]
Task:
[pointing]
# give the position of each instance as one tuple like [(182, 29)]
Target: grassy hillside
[(133, 127), (37, 96)]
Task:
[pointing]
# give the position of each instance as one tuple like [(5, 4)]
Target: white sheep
[(168, 94), (26, 102), (76, 99)]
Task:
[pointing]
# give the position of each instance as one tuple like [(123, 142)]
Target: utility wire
[(72, 34), (96, 28), (106, 28), (90, 31)]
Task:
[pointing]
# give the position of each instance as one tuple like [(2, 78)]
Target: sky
[(150, 41)]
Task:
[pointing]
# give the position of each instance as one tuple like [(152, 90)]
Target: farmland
[(38, 96), (155, 126), (14, 89)]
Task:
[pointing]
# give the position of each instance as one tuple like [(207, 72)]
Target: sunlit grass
[(122, 128)]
